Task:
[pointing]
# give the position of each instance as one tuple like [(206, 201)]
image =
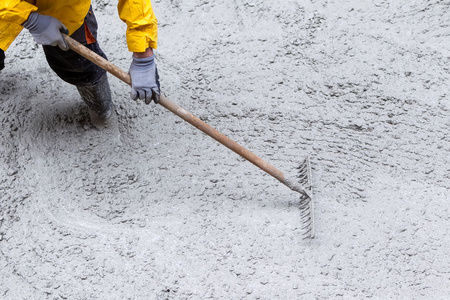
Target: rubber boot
[(98, 99)]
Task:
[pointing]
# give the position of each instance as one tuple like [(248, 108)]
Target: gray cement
[(161, 211)]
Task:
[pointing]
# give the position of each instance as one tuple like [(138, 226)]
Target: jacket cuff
[(139, 41)]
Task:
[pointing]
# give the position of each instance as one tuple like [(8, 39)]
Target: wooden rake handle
[(187, 116)]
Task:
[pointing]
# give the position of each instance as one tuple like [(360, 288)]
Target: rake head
[(306, 202)]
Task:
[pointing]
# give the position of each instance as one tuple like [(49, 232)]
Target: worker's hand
[(2, 59), (144, 79), (46, 30)]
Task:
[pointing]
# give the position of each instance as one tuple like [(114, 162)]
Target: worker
[(47, 20)]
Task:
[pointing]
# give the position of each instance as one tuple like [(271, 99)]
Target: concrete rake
[(301, 184)]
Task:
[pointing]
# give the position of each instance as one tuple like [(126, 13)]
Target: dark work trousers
[(72, 67), (2, 59)]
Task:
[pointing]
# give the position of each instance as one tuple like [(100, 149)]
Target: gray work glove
[(144, 79), (46, 30)]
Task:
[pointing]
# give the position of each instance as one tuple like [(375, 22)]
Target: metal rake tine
[(306, 203)]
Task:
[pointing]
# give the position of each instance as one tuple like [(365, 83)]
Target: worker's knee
[(72, 67)]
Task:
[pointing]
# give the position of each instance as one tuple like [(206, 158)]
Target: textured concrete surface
[(161, 211)]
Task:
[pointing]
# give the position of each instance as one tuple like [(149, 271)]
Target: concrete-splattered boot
[(98, 99)]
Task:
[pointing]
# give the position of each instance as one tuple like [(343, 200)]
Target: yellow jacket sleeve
[(15, 11), (12, 15), (9, 32), (142, 26)]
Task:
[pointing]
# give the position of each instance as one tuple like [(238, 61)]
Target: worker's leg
[(2, 59), (90, 80)]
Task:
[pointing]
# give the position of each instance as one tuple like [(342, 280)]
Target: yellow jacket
[(142, 30)]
